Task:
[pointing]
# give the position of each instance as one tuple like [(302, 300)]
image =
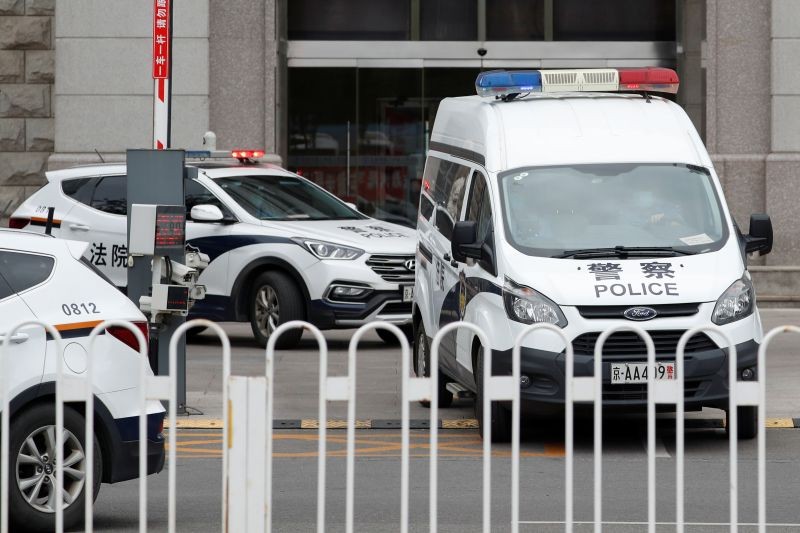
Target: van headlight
[(737, 302), (329, 250), (528, 306)]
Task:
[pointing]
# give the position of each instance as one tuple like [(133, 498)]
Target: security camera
[(481, 52)]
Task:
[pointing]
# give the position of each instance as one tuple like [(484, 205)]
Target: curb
[(453, 423)]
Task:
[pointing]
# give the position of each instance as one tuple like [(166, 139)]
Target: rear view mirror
[(463, 244), (760, 237), (206, 213)]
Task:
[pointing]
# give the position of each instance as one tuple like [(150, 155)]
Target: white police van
[(47, 279), (577, 198), (281, 248)]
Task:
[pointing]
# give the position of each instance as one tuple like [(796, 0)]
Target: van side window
[(23, 271), (446, 182), (111, 195), (479, 208)]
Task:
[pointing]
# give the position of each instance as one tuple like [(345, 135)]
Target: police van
[(47, 279), (579, 198), (281, 247)]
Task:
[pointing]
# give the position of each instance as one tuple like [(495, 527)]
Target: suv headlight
[(329, 250), (528, 306), (737, 302)]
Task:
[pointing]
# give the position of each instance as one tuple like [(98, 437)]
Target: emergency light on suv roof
[(242, 155), (503, 84)]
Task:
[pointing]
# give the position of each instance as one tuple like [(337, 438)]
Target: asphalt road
[(377, 487)]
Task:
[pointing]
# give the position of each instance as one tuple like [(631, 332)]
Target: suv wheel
[(33, 481), (275, 301), (391, 339)]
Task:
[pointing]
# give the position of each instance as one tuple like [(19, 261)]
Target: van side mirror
[(206, 213), (760, 237), (462, 242)]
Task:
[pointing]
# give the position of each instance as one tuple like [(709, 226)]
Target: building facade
[(346, 91)]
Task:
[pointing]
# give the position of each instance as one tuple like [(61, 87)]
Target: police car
[(578, 198), (281, 248), (47, 279)]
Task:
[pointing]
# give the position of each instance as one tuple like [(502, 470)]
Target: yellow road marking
[(780, 423)]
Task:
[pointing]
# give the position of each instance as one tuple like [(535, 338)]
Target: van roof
[(567, 128)]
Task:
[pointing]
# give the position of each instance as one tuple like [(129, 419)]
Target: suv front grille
[(392, 268), (626, 345)]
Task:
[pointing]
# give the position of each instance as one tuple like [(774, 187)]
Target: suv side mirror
[(760, 237), (206, 213), (462, 243)]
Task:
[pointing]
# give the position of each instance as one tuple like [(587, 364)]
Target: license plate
[(637, 372), (408, 293)]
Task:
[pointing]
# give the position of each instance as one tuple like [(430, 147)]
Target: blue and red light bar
[(502, 83)]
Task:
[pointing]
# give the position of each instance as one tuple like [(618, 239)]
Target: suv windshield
[(566, 211), (285, 198)]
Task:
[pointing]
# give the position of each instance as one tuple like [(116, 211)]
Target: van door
[(448, 191), (100, 218), (479, 278)]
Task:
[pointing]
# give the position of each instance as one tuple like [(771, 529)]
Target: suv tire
[(391, 339), (275, 300), (37, 425)]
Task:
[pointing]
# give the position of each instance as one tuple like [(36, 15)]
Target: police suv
[(281, 248), (577, 198), (47, 279)]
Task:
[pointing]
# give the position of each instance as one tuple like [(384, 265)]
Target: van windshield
[(562, 211)]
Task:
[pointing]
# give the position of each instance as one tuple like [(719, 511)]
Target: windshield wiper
[(624, 251)]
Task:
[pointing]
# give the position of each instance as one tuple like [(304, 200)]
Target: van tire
[(500, 417), (746, 422), (22, 515), (391, 339), (275, 300), (422, 356)]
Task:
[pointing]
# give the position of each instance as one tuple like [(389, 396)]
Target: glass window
[(479, 208), (449, 20), (550, 210), (79, 189), (196, 194), (23, 271), (354, 20), (515, 20), (447, 187), (614, 20), (111, 195), (285, 198), (5, 289)]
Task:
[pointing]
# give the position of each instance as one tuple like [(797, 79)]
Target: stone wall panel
[(40, 66), (12, 7), (12, 135), (12, 66), (39, 134), (24, 100), (40, 7), (23, 168), (25, 33)]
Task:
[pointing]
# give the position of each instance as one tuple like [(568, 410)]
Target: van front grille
[(626, 345)]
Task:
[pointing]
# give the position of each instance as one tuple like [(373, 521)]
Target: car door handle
[(79, 227), (17, 338)]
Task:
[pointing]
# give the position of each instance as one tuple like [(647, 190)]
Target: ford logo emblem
[(410, 264), (640, 313)]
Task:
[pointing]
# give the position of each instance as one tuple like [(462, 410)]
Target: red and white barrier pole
[(162, 69)]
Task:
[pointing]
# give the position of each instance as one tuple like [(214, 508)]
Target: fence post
[(157, 385), (595, 384), (322, 345)]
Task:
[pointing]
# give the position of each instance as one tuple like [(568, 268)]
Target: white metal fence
[(248, 429)]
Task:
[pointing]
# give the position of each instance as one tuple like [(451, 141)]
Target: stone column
[(26, 114)]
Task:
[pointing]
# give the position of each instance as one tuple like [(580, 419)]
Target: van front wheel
[(499, 416), (422, 368)]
